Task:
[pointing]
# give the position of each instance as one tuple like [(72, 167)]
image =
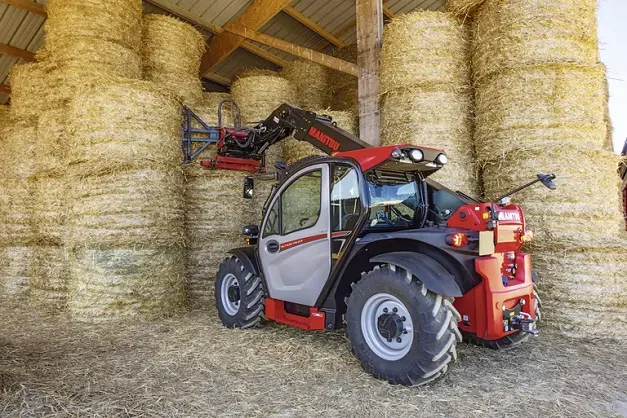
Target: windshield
[(394, 202)]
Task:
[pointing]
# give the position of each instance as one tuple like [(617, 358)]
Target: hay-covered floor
[(191, 366)]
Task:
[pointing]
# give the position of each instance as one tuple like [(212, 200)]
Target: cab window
[(395, 201), (298, 206), (345, 203)]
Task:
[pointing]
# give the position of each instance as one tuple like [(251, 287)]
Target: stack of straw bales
[(311, 81), (344, 87), (541, 107), (17, 237), (171, 53), (215, 210), (126, 216), (48, 286), (425, 87), (294, 150)]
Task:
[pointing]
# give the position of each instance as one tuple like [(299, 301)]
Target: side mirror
[(251, 231), (547, 180), (249, 188)]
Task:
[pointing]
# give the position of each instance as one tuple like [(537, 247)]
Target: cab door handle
[(273, 246)]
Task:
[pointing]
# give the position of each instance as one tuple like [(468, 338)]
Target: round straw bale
[(583, 289), (29, 84), (15, 269), (311, 81), (48, 283), (576, 212), (172, 51), (436, 118), (424, 49), (123, 125), (215, 203), (112, 20), (50, 203), (514, 33), (540, 105), (17, 156), (345, 94), (462, 7), (259, 92), (207, 110), (51, 142), (98, 55), (128, 209), (4, 118), (294, 150), (125, 283)]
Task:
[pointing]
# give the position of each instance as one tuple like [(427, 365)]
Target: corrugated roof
[(25, 30)]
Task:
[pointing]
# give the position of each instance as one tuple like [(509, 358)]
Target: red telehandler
[(364, 239)]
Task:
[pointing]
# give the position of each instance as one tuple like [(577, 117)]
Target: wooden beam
[(299, 51), (27, 5), (218, 79), (221, 46), (388, 13), (313, 26), (5, 89), (176, 10), (267, 55), (16, 52), (369, 38)]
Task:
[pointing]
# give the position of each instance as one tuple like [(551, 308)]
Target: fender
[(246, 255), (430, 272)]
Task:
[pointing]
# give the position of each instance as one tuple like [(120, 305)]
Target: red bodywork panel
[(482, 307), (372, 157), (508, 233), (232, 163), (275, 310)]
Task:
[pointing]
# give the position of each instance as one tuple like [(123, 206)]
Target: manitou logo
[(324, 138), (509, 216)]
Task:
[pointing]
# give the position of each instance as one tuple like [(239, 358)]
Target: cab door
[(295, 244)]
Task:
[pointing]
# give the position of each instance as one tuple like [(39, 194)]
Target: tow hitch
[(515, 319)]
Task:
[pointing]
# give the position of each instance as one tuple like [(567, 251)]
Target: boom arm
[(318, 130)]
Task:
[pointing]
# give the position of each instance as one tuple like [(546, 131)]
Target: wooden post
[(369, 38)]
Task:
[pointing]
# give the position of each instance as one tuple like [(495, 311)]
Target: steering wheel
[(400, 215)]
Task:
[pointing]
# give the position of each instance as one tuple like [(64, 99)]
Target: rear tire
[(240, 297), (511, 340), (422, 354)]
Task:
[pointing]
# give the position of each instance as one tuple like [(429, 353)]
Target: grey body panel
[(298, 273), (431, 273)]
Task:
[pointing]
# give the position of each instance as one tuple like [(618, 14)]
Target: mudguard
[(247, 257), (429, 272)]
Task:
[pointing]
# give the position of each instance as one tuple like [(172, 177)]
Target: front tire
[(375, 327), (239, 294)]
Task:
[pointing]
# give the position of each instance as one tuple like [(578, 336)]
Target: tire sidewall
[(358, 299), (229, 266)]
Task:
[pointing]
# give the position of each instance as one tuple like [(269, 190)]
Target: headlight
[(416, 155), (441, 159), (397, 153)]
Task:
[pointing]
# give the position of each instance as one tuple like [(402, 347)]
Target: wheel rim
[(387, 326), (230, 295)]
